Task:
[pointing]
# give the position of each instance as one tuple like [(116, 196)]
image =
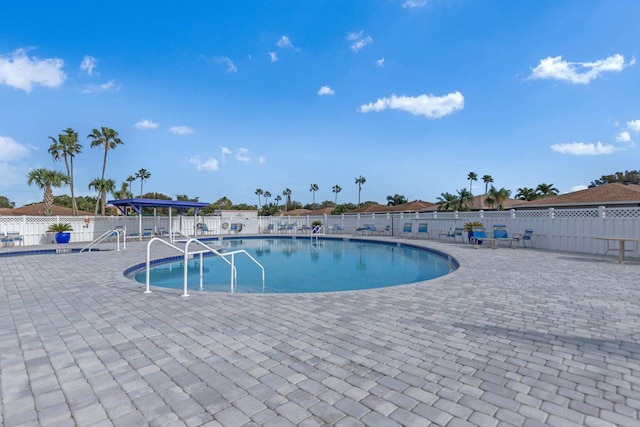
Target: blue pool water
[(302, 265)]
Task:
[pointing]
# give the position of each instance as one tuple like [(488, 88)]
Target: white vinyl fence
[(569, 230)]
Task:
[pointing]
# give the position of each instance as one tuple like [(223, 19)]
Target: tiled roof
[(37, 209), (609, 194)]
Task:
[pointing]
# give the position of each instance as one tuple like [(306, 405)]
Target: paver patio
[(514, 337)]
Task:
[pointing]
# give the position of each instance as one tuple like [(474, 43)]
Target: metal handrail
[(318, 232), (186, 255), (106, 234)]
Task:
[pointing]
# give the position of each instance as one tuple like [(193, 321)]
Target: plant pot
[(63, 237)]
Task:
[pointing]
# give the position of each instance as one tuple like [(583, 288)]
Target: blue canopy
[(138, 204)]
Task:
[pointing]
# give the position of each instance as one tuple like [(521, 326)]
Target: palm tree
[(360, 180), (465, 200), (472, 177), (313, 189), (336, 190), (66, 147), (267, 195), (487, 179), (102, 186), (46, 179), (396, 200), (109, 140), (497, 197), (526, 193), (130, 180), (447, 202), (546, 190), (259, 193), (123, 193), (287, 198), (277, 199), (142, 174)]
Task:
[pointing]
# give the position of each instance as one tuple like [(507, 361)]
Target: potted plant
[(62, 231), (469, 226)]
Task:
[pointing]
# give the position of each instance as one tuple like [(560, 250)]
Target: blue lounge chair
[(480, 236), (524, 238), (500, 235), (147, 233), (407, 229), (450, 234), (336, 229), (458, 232), (11, 238), (365, 229), (269, 229), (423, 230), (201, 228)]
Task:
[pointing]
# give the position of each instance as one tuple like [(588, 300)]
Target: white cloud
[(623, 136), (380, 62), (634, 125), (325, 90), (578, 188), (577, 72), (181, 130), (146, 124), (358, 40), (210, 164), (273, 56), (11, 150), (242, 155), (109, 86), (262, 160), (414, 3), (430, 106), (88, 64), (231, 67), (22, 72), (285, 43), (582, 149), (224, 152)]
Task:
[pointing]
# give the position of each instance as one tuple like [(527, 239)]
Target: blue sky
[(221, 98)]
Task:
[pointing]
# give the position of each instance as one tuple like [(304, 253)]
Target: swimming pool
[(297, 265)]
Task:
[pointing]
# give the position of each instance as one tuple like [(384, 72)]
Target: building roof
[(613, 194), (37, 209), (138, 204)]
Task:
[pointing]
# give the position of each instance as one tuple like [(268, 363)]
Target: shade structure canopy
[(138, 204)]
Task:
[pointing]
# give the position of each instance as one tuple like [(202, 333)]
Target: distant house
[(609, 195)]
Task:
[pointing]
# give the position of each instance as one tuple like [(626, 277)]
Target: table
[(621, 243)]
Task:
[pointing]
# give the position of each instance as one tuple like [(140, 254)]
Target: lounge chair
[(458, 232), (268, 229), (163, 232), (524, 238), (366, 229), (447, 234), (386, 231), (201, 228), (423, 230), (500, 235), (147, 233), (407, 229), (336, 229), (11, 238), (480, 236), (290, 228)]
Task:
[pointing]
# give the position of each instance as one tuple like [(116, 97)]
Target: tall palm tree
[(526, 193), (546, 190), (336, 189), (360, 180), (46, 179), (130, 180), (287, 198), (497, 197), (123, 193), (102, 186), (259, 193), (277, 199), (487, 179), (66, 147), (142, 174), (447, 202), (465, 200), (108, 139), (472, 176), (313, 189), (267, 195)]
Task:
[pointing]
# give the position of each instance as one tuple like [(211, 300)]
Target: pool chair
[(365, 229), (447, 234), (290, 228), (407, 230), (500, 235), (480, 236), (163, 232), (11, 238), (524, 238), (147, 233), (423, 230), (458, 232), (268, 229), (386, 231), (201, 228), (336, 229)]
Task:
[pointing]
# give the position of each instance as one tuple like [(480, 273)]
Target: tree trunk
[(47, 200)]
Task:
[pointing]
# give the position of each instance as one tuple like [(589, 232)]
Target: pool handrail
[(109, 233), (186, 255)]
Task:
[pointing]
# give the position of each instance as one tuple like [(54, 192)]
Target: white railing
[(187, 254), (115, 232), (570, 230)]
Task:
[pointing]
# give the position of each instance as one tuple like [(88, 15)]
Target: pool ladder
[(207, 249)]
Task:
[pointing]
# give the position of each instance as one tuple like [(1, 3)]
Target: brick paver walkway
[(514, 337)]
